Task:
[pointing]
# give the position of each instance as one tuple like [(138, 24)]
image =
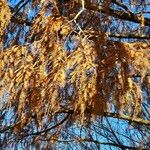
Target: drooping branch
[(11, 127), (48, 129)]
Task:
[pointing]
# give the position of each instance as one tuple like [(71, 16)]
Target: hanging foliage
[(67, 63)]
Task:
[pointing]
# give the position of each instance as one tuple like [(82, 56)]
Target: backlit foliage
[(4, 18), (94, 76)]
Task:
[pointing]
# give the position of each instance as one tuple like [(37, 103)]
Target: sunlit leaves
[(5, 16), (37, 76)]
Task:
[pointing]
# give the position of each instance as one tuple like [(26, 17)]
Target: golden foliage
[(37, 76), (5, 16)]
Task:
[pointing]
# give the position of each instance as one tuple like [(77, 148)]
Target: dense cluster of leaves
[(64, 68), (5, 16)]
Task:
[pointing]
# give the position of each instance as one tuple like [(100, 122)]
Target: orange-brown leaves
[(5, 16), (44, 78)]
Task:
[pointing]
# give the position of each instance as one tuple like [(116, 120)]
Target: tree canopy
[(75, 74)]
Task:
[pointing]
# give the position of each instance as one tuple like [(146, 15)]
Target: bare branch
[(108, 143), (20, 21), (120, 4), (23, 5), (48, 129)]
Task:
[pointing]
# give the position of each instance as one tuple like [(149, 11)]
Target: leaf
[(142, 21), (10, 72), (1, 65), (29, 58)]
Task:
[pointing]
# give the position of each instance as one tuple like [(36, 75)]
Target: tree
[(74, 74)]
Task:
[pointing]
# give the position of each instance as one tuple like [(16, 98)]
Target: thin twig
[(77, 15)]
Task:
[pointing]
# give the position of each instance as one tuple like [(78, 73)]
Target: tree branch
[(18, 18), (48, 129), (115, 35), (120, 116), (128, 118), (20, 21), (128, 16), (25, 3), (120, 4), (4, 129), (129, 36), (108, 143)]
